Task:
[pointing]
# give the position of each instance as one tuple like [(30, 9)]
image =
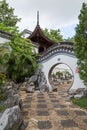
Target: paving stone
[(72, 106), (40, 97), (41, 101), (63, 116), (30, 94), (80, 113), (64, 96), (50, 93), (62, 112), (59, 106), (85, 121), (28, 98), (54, 101), (27, 101), (42, 113), (41, 106), (67, 100), (26, 106), (68, 123), (25, 113), (61, 93), (44, 125), (51, 96), (40, 94)]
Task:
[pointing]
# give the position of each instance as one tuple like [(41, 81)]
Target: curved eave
[(38, 33)]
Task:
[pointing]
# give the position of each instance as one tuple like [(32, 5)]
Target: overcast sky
[(54, 14)]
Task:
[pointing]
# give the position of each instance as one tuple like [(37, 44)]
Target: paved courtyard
[(52, 111)]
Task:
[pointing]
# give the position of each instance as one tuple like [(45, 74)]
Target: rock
[(33, 79), (21, 104), (72, 91), (79, 90), (36, 82), (85, 92), (78, 96), (42, 83), (1, 114), (12, 101), (27, 79), (9, 87), (78, 93), (70, 96), (8, 93), (44, 88), (24, 125), (11, 119), (23, 86), (30, 87)]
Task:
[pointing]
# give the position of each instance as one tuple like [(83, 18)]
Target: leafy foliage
[(21, 62), (16, 57), (2, 107), (2, 78), (54, 35), (59, 74), (11, 30), (81, 43), (7, 15), (70, 39)]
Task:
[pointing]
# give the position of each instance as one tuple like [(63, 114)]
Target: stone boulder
[(10, 95), (78, 96), (23, 86), (42, 82), (11, 119), (85, 92), (30, 87), (10, 89), (44, 88), (12, 101), (36, 82), (33, 79), (78, 93)]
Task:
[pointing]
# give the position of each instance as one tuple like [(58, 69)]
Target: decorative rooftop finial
[(37, 17)]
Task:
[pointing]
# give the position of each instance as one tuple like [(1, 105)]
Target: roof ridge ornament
[(37, 17)]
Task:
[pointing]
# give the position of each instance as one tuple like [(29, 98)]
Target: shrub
[(2, 82)]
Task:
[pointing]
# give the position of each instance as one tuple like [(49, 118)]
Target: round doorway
[(60, 76)]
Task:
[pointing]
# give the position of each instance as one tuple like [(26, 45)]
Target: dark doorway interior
[(41, 49)]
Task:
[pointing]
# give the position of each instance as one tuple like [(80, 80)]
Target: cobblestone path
[(52, 111)]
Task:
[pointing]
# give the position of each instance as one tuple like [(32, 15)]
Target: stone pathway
[(52, 111)]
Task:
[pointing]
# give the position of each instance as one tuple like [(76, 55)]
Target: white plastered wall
[(69, 60)]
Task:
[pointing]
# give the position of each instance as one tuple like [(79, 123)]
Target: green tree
[(21, 62), (53, 35), (59, 74), (7, 16), (11, 30), (70, 39), (17, 57), (81, 43)]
